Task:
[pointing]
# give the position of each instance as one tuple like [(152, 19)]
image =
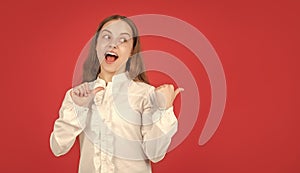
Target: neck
[(106, 76)]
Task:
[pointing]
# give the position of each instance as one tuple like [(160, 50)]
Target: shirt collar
[(121, 77)]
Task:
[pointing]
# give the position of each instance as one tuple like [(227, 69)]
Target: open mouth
[(110, 57)]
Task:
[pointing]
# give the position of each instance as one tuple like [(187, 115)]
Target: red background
[(258, 45)]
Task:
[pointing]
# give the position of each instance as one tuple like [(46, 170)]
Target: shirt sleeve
[(68, 126), (158, 127)]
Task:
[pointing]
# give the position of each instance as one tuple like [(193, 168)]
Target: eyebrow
[(105, 30), (125, 34), (120, 34)]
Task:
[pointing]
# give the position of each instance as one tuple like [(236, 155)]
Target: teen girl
[(123, 123)]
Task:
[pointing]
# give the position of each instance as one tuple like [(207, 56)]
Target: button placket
[(106, 134)]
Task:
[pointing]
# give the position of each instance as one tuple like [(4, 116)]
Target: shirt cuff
[(168, 116)]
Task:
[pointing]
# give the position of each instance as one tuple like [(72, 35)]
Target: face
[(114, 46)]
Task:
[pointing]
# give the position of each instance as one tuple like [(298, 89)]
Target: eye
[(106, 37), (123, 40)]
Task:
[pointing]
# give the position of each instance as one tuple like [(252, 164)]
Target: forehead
[(117, 27)]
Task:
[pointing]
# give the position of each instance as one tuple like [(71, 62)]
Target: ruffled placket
[(104, 104), (106, 141), (96, 123)]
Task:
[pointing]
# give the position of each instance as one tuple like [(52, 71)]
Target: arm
[(158, 127), (68, 126), (72, 116)]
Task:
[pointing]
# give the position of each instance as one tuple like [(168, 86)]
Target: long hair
[(134, 65)]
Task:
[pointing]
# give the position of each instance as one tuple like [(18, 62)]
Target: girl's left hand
[(166, 95)]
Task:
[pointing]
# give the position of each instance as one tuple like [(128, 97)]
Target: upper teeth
[(111, 53)]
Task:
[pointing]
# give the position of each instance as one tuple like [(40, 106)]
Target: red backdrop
[(258, 45)]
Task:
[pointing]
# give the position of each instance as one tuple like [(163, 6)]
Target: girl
[(122, 122)]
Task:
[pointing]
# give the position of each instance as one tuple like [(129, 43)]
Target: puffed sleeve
[(68, 126), (158, 127)]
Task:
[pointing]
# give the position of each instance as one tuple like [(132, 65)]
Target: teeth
[(111, 53)]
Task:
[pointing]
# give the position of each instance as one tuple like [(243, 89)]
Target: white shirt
[(121, 132)]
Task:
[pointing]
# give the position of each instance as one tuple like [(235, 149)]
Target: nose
[(112, 45)]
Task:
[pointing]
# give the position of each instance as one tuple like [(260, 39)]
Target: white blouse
[(121, 132)]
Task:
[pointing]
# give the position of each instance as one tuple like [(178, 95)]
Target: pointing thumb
[(97, 90), (178, 90)]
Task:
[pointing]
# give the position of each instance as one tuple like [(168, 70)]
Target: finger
[(75, 91), (97, 90), (162, 86), (177, 91), (84, 92), (81, 91), (89, 87), (165, 85), (159, 87), (72, 92), (86, 89)]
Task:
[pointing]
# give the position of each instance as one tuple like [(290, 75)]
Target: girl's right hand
[(82, 95)]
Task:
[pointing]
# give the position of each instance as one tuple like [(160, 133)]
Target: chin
[(110, 69)]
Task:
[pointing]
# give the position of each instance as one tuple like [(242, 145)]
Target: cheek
[(126, 50), (100, 48), (126, 54)]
